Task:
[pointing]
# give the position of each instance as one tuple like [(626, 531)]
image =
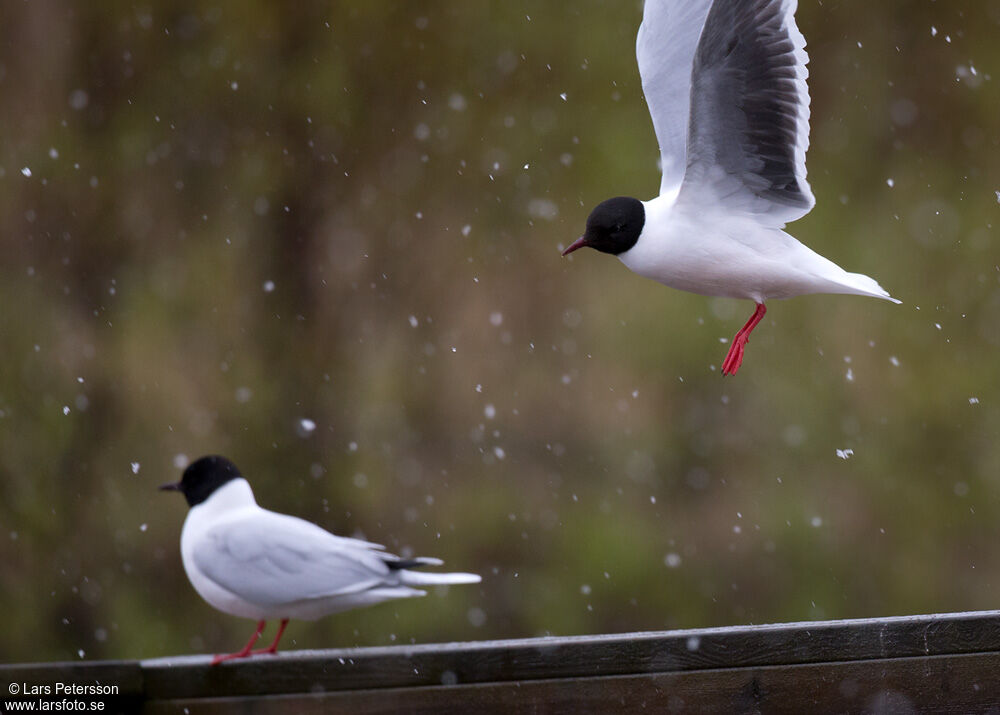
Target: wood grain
[(948, 663), (578, 656), (939, 684)]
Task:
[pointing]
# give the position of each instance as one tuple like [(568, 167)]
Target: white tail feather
[(426, 561), (866, 285), (415, 578)]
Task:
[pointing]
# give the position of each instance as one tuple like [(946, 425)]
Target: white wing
[(665, 47), (749, 128), (271, 559)]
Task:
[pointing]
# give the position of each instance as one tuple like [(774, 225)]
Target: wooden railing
[(936, 663)]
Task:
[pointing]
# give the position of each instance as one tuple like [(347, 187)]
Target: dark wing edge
[(750, 108)]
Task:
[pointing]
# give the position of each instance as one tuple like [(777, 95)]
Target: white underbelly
[(763, 264)]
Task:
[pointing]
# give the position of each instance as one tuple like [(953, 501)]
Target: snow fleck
[(422, 132), (672, 560), (572, 317), (933, 31), (652, 499), (234, 85), (466, 230), (496, 318), (890, 183), (268, 286), (973, 400), (135, 467), (845, 453), (360, 480), (413, 321), (352, 446), (26, 171), (737, 529), (490, 411), (816, 522), (143, 527), (693, 643), (65, 409), (794, 435), (562, 96), (78, 99), (961, 489), (243, 395), (894, 360), (477, 617), (305, 427), (543, 209), (457, 102), (180, 461), (498, 451), (585, 589), (849, 375)]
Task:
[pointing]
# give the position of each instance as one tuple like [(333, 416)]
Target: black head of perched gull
[(725, 82), (255, 563)]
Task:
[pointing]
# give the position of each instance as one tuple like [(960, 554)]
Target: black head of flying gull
[(725, 82)]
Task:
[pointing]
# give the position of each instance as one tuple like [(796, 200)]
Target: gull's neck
[(234, 494)]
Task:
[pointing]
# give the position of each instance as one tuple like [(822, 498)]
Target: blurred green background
[(221, 220)]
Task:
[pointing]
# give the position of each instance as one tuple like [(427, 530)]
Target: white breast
[(229, 501)]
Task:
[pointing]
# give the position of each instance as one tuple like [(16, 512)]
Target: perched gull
[(726, 86), (255, 563)]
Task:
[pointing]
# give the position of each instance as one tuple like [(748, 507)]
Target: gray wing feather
[(664, 49), (749, 128), (274, 559)]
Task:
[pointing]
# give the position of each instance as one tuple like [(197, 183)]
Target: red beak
[(578, 243)]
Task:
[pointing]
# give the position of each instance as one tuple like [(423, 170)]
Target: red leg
[(246, 649), (734, 358), (273, 648)]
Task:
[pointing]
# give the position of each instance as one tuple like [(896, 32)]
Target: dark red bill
[(578, 243)]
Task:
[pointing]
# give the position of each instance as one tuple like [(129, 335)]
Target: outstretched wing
[(665, 47), (271, 559), (749, 127)]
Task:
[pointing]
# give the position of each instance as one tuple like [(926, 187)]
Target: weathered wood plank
[(575, 657), (939, 684), (940, 663)]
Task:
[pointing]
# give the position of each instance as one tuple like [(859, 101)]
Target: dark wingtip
[(397, 564), (400, 564)]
